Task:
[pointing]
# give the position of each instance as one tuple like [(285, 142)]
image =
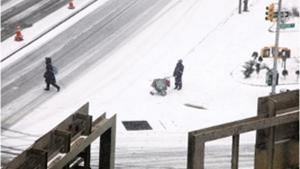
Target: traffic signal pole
[(275, 54), (240, 6)]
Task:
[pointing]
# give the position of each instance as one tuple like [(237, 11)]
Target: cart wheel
[(163, 93)]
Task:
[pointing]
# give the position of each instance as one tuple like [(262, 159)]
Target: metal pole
[(275, 54), (240, 6), (245, 5)]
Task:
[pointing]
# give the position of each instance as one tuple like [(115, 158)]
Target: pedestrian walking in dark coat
[(178, 75), (49, 75)]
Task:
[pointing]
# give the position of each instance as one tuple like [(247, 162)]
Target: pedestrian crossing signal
[(270, 14), (269, 78)]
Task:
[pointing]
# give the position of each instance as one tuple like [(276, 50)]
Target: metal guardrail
[(68, 144)]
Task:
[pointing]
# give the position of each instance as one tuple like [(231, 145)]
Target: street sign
[(286, 25), (284, 14)]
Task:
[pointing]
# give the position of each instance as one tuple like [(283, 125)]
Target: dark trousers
[(178, 82), (53, 84)]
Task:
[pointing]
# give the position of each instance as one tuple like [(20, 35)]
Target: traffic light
[(265, 52), (270, 14), (269, 78), (285, 72), (286, 53)]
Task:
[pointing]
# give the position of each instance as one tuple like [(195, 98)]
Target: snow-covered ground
[(213, 49)]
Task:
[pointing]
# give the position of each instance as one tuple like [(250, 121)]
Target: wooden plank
[(235, 152), (78, 147), (284, 101), (47, 143), (196, 153), (63, 139), (249, 125), (84, 110), (98, 120), (65, 125), (271, 138), (219, 127), (34, 157), (105, 150), (287, 131)]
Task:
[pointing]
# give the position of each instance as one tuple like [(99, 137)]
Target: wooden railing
[(68, 145), (277, 114)]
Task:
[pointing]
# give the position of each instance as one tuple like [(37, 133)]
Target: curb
[(260, 85), (47, 31)]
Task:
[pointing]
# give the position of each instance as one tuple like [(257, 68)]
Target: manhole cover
[(136, 125)]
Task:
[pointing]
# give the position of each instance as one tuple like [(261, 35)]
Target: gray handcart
[(160, 86)]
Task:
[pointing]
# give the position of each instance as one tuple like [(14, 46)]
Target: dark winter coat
[(178, 71), (49, 77), (49, 67)]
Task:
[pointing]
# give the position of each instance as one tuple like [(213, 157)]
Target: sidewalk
[(292, 65), (56, 22)]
